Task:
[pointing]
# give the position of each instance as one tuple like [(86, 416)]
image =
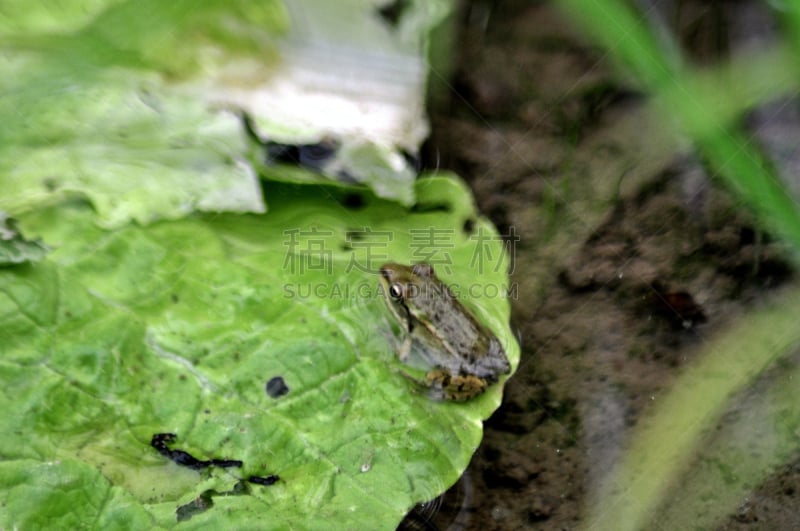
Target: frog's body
[(465, 355)]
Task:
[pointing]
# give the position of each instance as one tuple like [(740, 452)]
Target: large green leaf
[(176, 327)]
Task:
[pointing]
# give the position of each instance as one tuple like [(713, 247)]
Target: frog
[(465, 355)]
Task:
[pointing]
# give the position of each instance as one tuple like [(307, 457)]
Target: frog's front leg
[(458, 388)]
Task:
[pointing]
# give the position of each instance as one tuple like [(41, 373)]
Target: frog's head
[(400, 282), (400, 285), (395, 280)]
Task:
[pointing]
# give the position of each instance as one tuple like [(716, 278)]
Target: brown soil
[(628, 257)]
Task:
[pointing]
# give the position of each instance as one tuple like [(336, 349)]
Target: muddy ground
[(626, 255)]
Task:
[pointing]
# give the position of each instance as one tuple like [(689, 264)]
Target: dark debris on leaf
[(393, 11), (198, 505), (469, 226), (353, 201), (264, 480), (427, 208), (311, 156), (161, 442), (276, 387), (205, 501)]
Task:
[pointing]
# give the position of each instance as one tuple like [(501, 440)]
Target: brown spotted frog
[(465, 355)]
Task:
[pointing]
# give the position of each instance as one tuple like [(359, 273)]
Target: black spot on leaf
[(162, 441), (264, 480), (276, 387)]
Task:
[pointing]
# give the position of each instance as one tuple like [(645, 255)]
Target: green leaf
[(141, 156), (177, 327), (14, 247)]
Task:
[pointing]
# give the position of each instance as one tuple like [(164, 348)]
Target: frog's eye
[(396, 291)]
